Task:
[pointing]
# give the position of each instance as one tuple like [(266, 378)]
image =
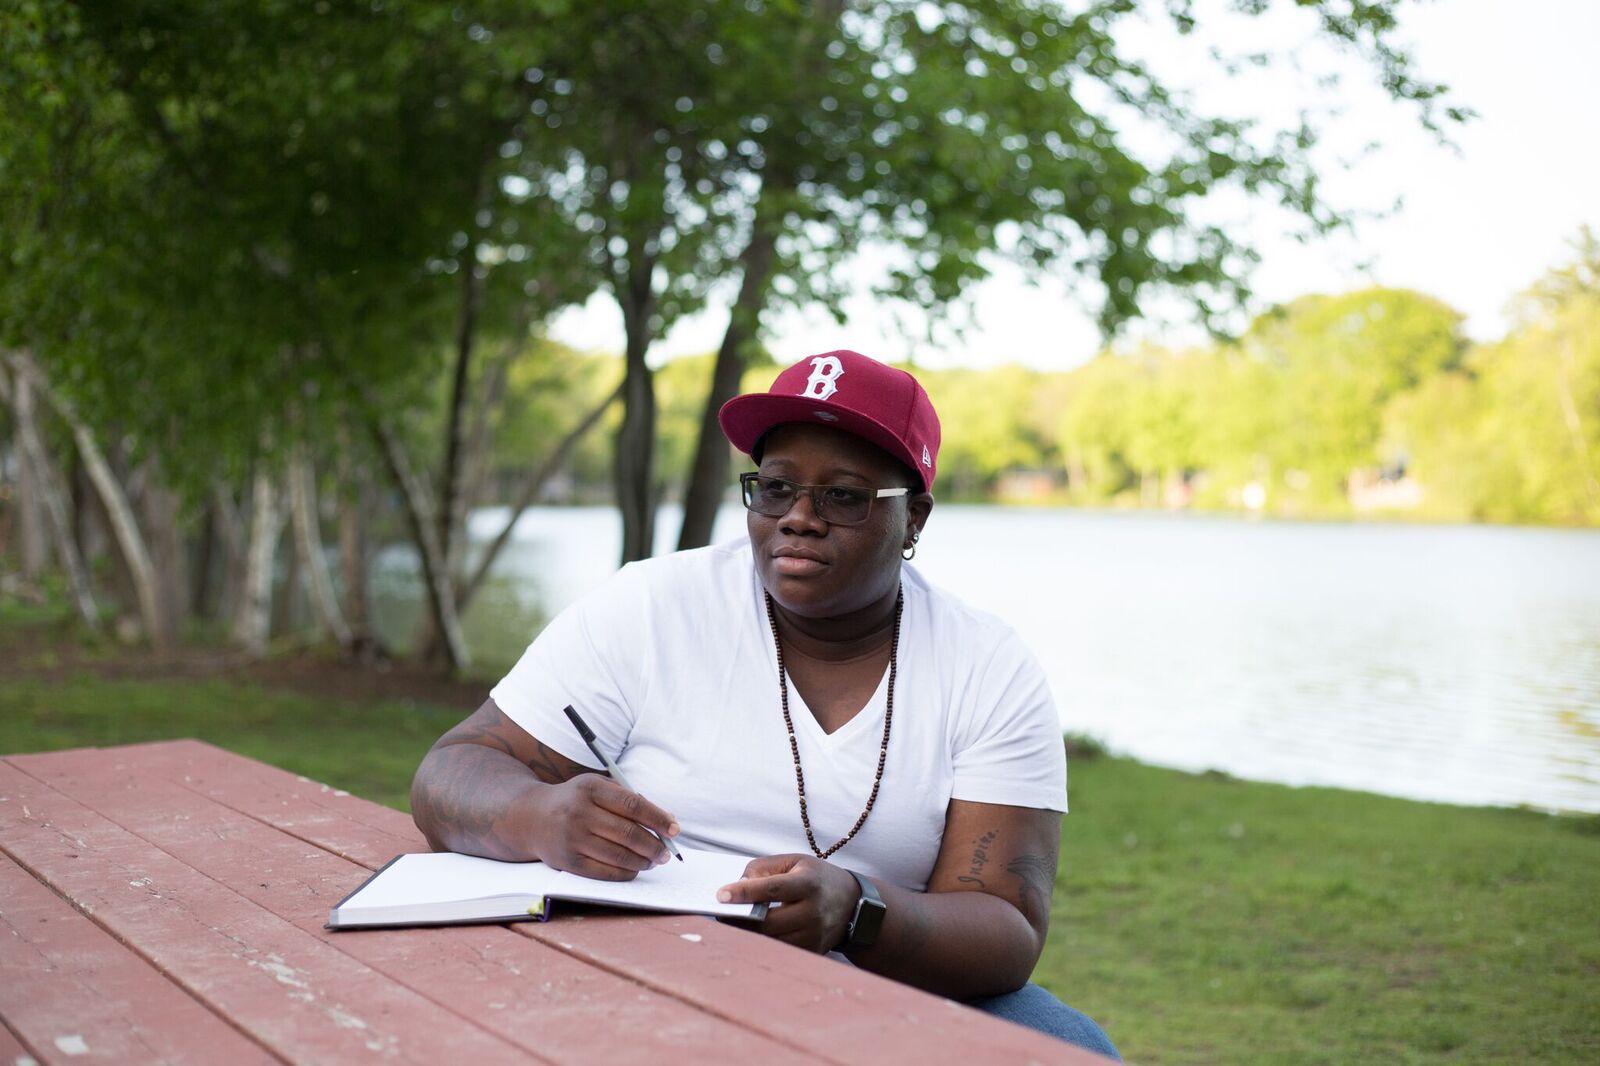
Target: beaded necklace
[(794, 744)]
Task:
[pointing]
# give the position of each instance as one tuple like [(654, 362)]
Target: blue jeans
[(1037, 1009)]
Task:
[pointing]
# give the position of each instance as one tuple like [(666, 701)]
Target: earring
[(911, 552)]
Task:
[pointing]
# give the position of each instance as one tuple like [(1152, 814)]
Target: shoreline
[(47, 653)]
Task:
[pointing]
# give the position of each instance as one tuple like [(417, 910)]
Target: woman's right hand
[(593, 827)]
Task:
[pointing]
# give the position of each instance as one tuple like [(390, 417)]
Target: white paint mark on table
[(72, 1045), (693, 938)]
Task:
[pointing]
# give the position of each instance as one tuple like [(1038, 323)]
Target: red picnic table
[(165, 903)]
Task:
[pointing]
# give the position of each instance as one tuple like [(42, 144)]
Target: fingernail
[(724, 896), (672, 830)]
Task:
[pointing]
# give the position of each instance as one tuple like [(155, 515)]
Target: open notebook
[(447, 889)]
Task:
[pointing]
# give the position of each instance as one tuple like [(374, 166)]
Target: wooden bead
[(794, 743)]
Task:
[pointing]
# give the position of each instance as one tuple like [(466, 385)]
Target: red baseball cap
[(849, 391)]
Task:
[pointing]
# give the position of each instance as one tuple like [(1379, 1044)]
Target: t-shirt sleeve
[(587, 657), (1011, 750)]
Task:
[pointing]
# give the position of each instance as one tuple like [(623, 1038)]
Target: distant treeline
[(1371, 401)]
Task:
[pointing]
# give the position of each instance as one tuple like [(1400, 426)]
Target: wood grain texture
[(282, 986), (218, 871), (73, 991), (546, 1001), (364, 832), (12, 1051)]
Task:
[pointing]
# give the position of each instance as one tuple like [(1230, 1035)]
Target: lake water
[(1454, 663)]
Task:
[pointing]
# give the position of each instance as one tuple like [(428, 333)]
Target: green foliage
[(1333, 387), (244, 215), (1342, 359), (994, 421), (681, 392), (232, 226), (549, 387), (1320, 390), (1514, 434), (218, 210)]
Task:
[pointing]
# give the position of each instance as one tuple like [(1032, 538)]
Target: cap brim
[(746, 419)]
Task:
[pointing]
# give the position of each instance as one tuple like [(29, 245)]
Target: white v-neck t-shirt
[(671, 663)]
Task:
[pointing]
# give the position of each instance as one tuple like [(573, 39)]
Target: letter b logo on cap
[(824, 379)]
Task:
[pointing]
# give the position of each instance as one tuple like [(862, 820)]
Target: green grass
[(1203, 919), (1199, 918), (370, 749)]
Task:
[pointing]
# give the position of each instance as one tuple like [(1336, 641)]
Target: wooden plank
[(359, 830), (810, 1011), (12, 1052), (829, 1009), (285, 988), (73, 991), (531, 994), (810, 1001), (790, 1020)]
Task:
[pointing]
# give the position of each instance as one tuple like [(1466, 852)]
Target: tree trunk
[(353, 550), (33, 548), (88, 531), (451, 517), (202, 566), (47, 496), (452, 506), (229, 525), (286, 594), (709, 475), (530, 491), (123, 524), (636, 438), (420, 517), (125, 528), (303, 506), (252, 621), (475, 463), (160, 509)]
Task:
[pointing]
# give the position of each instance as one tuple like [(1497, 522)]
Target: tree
[(988, 427), (964, 134), (280, 178), (1513, 434), (1342, 358)]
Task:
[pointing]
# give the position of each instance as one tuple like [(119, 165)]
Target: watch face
[(865, 924), (867, 919)]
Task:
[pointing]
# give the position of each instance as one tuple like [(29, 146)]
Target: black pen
[(616, 775)]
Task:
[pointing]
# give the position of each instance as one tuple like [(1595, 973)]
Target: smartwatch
[(867, 919)]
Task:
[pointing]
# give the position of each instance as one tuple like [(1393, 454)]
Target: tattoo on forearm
[(461, 805), (1036, 876), (980, 859), (547, 765), (453, 802), (486, 732)]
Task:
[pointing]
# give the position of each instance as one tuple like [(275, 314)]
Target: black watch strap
[(867, 919)]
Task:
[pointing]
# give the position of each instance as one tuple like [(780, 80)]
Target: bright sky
[(1475, 227)]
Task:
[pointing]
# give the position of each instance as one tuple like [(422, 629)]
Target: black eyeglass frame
[(748, 481)]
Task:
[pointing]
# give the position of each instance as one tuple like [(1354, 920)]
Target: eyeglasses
[(837, 505)]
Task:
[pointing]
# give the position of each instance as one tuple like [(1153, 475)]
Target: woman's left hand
[(817, 899)]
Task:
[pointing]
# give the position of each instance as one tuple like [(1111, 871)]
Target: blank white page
[(443, 877)]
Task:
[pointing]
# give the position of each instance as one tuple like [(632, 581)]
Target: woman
[(894, 756)]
